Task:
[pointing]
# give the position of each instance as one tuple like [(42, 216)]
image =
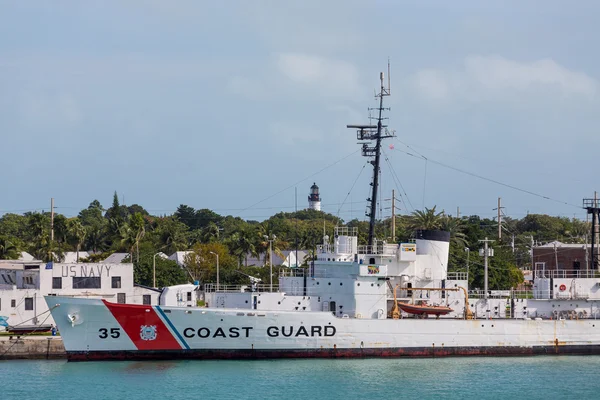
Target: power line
[(489, 179)]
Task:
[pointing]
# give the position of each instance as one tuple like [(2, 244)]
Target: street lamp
[(273, 237), (154, 270), (216, 255), (468, 252)]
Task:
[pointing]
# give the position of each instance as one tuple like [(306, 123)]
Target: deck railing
[(212, 287)]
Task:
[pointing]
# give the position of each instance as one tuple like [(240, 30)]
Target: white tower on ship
[(314, 199)]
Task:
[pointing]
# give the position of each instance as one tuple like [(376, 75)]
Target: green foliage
[(427, 219), (168, 273), (9, 249), (132, 229)]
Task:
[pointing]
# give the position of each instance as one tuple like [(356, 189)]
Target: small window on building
[(57, 283), (146, 299), (28, 303), (121, 298), (116, 282), (86, 282), (189, 296), (13, 303)]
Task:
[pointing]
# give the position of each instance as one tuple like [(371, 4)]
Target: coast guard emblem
[(148, 332)]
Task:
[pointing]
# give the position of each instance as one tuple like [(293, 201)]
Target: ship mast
[(367, 134)]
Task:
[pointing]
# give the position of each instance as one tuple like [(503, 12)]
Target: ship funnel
[(432, 252)]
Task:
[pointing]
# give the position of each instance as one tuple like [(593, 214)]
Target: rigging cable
[(300, 181), (395, 177), (351, 188)]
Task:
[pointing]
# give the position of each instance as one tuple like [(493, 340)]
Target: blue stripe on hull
[(175, 331)]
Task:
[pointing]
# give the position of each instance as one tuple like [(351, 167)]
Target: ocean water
[(548, 377)]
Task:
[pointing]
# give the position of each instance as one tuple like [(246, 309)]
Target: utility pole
[(532, 252), (591, 205), (486, 252), (393, 215), (499, 218), (393, 208), (52, 219)]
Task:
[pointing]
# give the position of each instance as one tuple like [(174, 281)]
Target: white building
[(23, 286)]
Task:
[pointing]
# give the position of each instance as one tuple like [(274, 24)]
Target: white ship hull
[(96, 329)]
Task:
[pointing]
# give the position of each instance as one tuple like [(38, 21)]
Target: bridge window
[(372, 260), (28, 303), (146, 300)]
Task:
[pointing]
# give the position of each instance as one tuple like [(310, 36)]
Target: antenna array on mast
[(366, 135)]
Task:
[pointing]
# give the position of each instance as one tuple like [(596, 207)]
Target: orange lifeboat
[(424, 309)]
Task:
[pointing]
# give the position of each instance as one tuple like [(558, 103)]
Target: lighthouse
[(314, 200)]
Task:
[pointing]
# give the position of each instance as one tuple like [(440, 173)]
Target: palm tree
[(455, 227), (137, 223), (128, 239), (38, 226), (241, 245), (78, 232), (172, 234), (210, 233), (427, 219), (8, 250), (96, 238)]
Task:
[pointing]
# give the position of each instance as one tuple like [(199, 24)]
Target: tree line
[(133, 230)]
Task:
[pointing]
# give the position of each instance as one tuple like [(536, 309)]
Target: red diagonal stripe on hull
[(132, 317)]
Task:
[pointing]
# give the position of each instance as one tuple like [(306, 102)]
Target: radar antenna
[(366, 135)]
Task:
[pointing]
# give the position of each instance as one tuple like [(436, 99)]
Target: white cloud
[(431, 83), (332, 77), (493, 77)]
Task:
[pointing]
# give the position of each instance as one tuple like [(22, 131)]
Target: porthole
[(341, 283), (329, 283)]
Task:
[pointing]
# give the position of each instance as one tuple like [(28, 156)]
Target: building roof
[(25, 256), (561, 244), (115, 258), (179, 257), (70, 257)]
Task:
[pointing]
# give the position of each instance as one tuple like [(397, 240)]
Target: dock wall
[(32, 347)]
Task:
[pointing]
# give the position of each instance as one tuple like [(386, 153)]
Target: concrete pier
[(31, 347)]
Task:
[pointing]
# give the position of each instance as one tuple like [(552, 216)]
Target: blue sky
[(231, 105)]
